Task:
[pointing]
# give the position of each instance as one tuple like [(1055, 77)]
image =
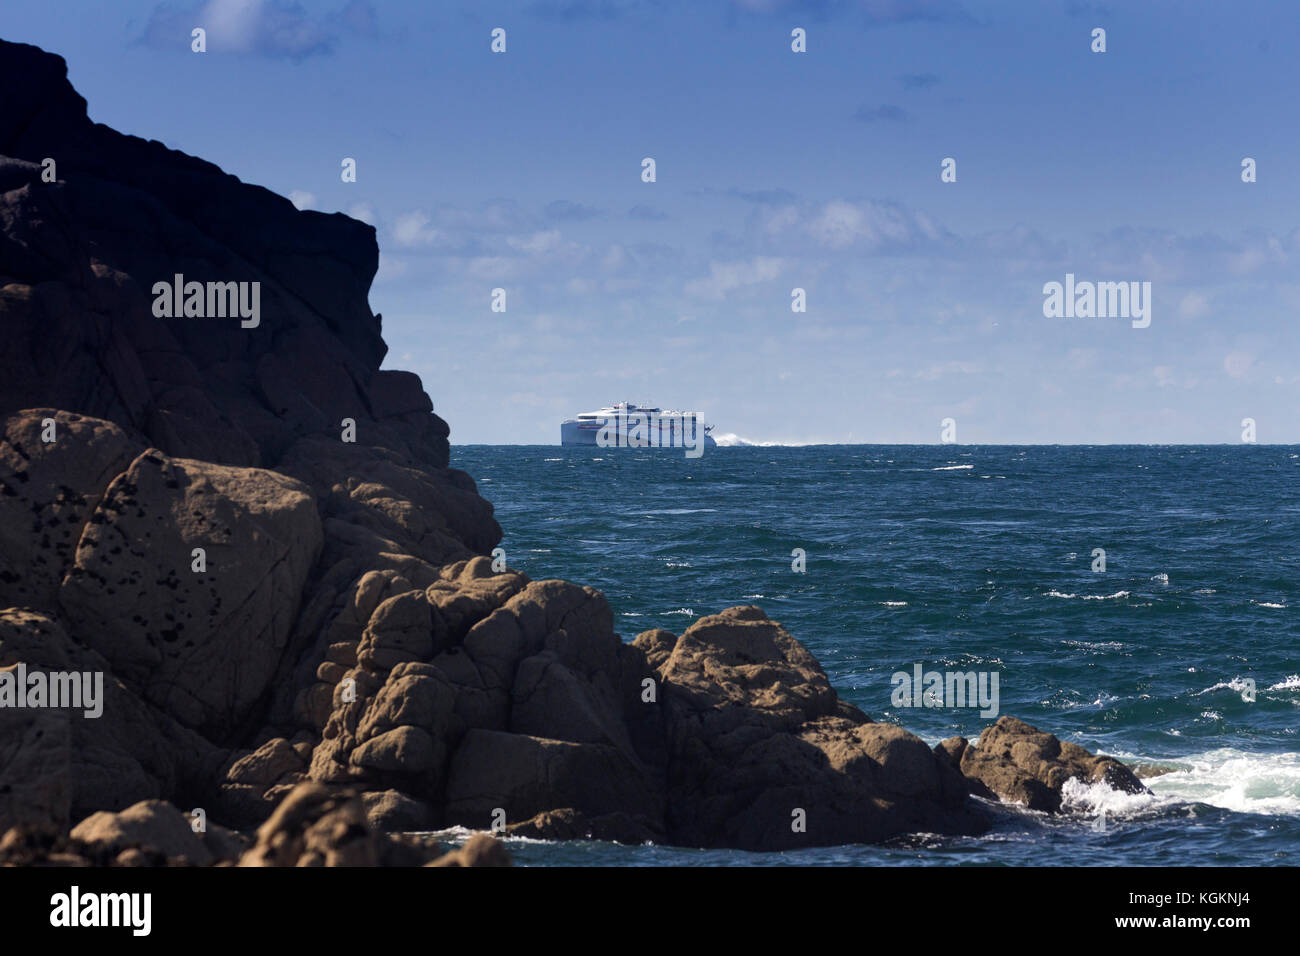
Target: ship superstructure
[(629, 425)]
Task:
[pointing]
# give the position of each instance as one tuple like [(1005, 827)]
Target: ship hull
[(585, 434)]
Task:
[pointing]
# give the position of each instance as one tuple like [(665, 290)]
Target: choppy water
[(974, 558)]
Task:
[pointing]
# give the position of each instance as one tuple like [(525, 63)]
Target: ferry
[(629, 425)]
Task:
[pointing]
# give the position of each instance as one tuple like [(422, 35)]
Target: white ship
[(629, 425)]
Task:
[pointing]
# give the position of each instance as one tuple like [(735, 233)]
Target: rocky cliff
[(252, 532)]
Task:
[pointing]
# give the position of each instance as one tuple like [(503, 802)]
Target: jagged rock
[(59, 765), (203, 646), (570, 824), (1017, 763), (35, 777), (433, 514), (224, 844), (739, 658), (81, 333), (149, 825), (761, 759), (468, 591), (657, 646), (267, 765), (394, 811), (37, 846), (479, 850), (48, 491), (317, 826), (403, 628), (525, 776)]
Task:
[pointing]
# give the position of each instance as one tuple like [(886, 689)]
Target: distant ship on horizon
[(629, 425)]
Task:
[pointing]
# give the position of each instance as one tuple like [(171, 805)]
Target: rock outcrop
[(252, 534), (313, 826), (765, 756), (1016, 763)]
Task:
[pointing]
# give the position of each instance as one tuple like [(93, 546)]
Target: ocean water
[(974, 558)]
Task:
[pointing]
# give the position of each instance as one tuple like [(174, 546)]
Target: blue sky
[(775, 170)]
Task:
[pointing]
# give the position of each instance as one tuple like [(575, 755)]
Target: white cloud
[(302, 199), (364, 212), (537, 244), (1237, 364), (725, 277), (411, 229), (615, 259)]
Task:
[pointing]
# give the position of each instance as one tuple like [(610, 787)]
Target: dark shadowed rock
[(57, 765), (761, 756), (570, 824), (48, 491), (524, 776)]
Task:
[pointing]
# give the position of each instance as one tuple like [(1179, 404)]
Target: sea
[(1141, 601)]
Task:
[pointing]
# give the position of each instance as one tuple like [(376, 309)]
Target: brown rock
[(401, 629), (48, 491), (150, 825), (207, 653), (59, 765), (762, 756), (570, 824), (1021, 764), (525, 775), (479, 850), (266, 765), (318, 826), (315, 826), (392, 810)]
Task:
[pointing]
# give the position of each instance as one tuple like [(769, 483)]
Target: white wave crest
[(1100, 799), (1089, 597), (1234, 780), (1237, 684), (732, 440)]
